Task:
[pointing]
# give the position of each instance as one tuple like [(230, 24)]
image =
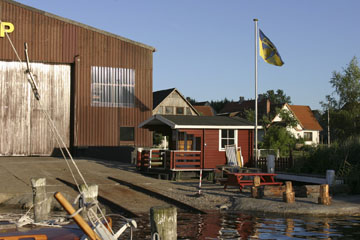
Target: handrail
[(179, 159)]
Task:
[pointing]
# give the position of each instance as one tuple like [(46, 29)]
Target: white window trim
[(235, 136)]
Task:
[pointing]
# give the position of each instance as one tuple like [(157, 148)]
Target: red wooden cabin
[(196, 142)]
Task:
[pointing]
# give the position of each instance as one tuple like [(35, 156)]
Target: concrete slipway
[(113, 177)]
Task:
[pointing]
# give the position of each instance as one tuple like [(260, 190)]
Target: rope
[(53, 128), (25, 219), (58, 138)]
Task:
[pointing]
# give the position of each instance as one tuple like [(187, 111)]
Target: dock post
[(324, 197), (90, 194), (256, 190), (40, 201), (163, 222), (200, 179), (289, 194)]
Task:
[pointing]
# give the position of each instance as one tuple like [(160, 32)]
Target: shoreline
[(16, 191)]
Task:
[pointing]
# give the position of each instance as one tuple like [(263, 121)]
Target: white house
[(308, 127)]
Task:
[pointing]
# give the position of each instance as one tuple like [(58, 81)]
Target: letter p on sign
[(6, 27)]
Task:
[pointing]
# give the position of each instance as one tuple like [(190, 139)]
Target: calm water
[(242, 226), (225, 225)]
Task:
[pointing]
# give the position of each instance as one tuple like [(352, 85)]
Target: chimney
[(241, 99), (268, 105)]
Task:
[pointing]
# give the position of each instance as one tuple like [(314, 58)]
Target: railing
[(150, 158), (169, 159), (185, 160), (281, 164)]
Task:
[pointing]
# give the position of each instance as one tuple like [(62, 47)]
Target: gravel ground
[(16, 173)]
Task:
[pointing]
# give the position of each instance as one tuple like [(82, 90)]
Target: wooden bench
[(237, 179)]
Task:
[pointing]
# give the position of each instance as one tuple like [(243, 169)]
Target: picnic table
[(246, 179)]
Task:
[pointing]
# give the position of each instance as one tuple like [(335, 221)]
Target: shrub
[(343, 157)]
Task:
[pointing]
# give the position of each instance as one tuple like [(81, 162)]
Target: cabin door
[(191, 141)]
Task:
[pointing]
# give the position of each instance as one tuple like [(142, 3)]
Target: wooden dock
[(304, 178)]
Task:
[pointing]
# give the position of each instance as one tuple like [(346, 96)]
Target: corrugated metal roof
[(80, 25), (53, 39)]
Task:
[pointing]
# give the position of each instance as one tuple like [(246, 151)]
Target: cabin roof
[(197, 122)]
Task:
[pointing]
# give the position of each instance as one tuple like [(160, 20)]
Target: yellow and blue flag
[(268, 51)]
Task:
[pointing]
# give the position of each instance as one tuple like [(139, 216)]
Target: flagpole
[(256, 90)]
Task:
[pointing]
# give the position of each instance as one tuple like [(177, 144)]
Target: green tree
[(277, 135), (217, 105), (157, 138), (344, 103), (347, 84), (277, 98), (191, 100)]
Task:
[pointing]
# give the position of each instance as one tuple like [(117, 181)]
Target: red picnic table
[(237, 179)]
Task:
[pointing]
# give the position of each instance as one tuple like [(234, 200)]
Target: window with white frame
[(112, 87), (307, 136), (227, 137)]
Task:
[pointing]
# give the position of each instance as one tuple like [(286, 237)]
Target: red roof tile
[(204, 110), (305, 117)]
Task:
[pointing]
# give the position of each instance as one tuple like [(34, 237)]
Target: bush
[(344, 158)]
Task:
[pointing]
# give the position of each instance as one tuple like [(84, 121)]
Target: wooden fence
[(168, 159), (281, 164)]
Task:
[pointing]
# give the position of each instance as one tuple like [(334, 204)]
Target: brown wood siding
[(52, 40), (212, 155)]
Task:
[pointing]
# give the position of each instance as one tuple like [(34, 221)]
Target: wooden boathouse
[(96, 86), (196, 142)]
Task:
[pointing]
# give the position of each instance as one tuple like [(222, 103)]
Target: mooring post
[(324, 197), (289, 194), (200, 179), (163, 222), (40, 201), (90, 195), (256, 190)]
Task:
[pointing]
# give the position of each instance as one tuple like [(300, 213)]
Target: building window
[(179, 110), (160, 110), (127, 134), (188, 111), (112, 87), (227, 137), (169, 110), (307, 136), (188, 142)]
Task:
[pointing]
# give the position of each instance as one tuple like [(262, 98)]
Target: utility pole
[(328, 128)]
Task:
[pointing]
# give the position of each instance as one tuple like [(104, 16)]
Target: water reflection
[(215, 225), (235, 225)]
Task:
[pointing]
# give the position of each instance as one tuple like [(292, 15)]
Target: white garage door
[(24, 129)]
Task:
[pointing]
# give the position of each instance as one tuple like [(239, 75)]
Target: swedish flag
[(268, 51)]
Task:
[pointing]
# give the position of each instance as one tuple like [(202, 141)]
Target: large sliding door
[(24, 129)]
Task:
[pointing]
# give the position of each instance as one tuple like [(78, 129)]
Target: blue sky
[(205, 48)]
